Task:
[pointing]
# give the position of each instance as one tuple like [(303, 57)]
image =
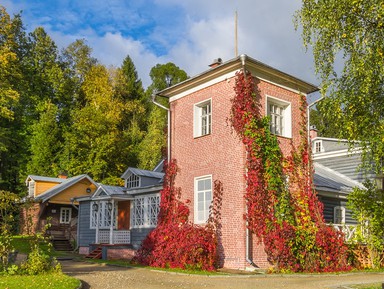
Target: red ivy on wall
[(176, 242), (283, 210)]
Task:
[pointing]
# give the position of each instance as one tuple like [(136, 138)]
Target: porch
[(348, 230), (113, 237)]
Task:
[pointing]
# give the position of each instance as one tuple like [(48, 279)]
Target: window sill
[(201, 136)]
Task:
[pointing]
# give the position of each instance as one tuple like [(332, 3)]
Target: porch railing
[(118, 236), (348, 230)]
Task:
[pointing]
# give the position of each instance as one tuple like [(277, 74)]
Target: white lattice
[(348, 230), (119, 236), (153, 209)]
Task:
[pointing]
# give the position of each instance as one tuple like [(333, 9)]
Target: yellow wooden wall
[(77, 190), (41, 187)]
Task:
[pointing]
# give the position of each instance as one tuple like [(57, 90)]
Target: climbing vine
[(283, 210), (176, 242)]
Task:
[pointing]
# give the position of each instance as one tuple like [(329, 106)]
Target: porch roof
[(328, 180)]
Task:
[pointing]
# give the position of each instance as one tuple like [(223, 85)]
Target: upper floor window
[(339, 215), (133, 181), (145, 211), (202, 118), (203, 198), (65, 215), (318, 146), (31, 188), (280, 117)]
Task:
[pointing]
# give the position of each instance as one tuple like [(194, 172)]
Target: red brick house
[(206, 148)]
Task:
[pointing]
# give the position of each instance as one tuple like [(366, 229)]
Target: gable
[(78, 189)]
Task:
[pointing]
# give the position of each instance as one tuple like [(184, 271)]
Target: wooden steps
[(62, 244), (95, 254)]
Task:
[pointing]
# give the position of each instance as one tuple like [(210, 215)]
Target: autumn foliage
[(176, 242), (283, 210)]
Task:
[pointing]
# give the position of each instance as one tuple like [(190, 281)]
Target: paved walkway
[(97, 276)]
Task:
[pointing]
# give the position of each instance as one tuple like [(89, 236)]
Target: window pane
[(207, 184)]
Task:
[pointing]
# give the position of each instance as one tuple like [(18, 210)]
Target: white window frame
[(340, 209), (202, 202), (103, 215), (133, 181), (285, 129), (202, 123), (65, 215), (318, 146), (31, 188), (145, 210)]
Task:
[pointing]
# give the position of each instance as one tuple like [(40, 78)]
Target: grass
[(21, 244), (371, 286), (43, 281)]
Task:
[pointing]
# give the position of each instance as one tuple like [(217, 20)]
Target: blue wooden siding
[(86, 235), (330, 204), (138, 235)]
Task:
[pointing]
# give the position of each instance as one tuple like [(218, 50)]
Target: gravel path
[(97, 276)]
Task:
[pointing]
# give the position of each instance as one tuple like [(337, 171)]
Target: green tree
[(92, 141), (154, 143), (325, 127), (349, 32), (46, 142), (11, 48), (367, 207)]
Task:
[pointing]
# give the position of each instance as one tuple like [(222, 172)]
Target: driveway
[(98, 276)]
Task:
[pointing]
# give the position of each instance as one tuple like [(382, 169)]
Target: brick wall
[(120, 253), (29, 219), (222, 155)]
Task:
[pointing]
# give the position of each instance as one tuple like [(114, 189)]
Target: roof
[(328, 180), (110, 190), (258, 68), (61, 187), (44, 179), (142, 173)]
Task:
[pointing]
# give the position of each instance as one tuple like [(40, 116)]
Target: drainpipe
[(168, 125), (248, 236)]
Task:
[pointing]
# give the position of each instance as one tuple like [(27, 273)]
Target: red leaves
[(289, 221), (176, 242)]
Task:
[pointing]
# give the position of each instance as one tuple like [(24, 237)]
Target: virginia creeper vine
[(176, 242), (283, 210)]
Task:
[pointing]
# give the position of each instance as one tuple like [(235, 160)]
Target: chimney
[(216, 62), (312, 132), (62, 175)]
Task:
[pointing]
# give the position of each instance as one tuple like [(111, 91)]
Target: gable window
[(31, 188), (279, 113), (145, 211), (65, 215), (318, 146), (339, 215), (101, 213), (133, 181), (203, 198), (202, 118)]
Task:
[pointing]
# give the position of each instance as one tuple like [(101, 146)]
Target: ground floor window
[(339, 215), (203, 198), (145, 211), (65, 215)]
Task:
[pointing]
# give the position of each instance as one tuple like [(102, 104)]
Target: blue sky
[(189, 33)]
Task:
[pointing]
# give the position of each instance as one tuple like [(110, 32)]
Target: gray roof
[(328, 180), (142, 173), (61, 187), (44, 179), (110, 190)]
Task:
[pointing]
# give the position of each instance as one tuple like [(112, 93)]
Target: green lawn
[(21, 244), (43, 281)]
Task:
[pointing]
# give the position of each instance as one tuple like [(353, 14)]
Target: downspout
[(308, 117), (168, 125), (248, 235)]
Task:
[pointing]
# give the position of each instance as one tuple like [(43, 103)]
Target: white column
[(111, 225), (97, 222)]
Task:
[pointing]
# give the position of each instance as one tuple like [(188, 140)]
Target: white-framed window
[(133, 181), (203, 198), (31, 188), (145, 210), (339, 215), (318, 146), (202, 123), (65, 215), (280, 117), (101, 213)]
